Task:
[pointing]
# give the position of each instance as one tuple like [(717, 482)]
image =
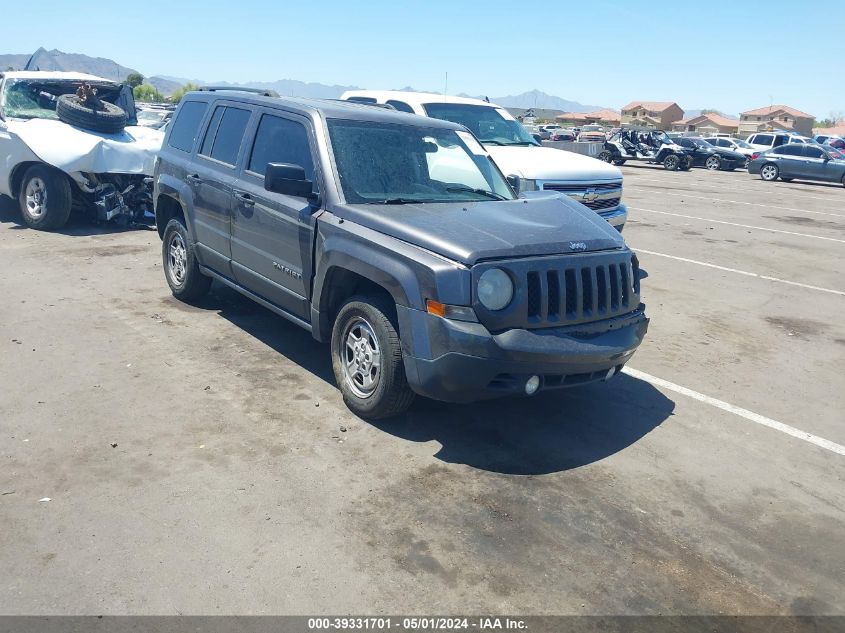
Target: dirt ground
[(199, 460)]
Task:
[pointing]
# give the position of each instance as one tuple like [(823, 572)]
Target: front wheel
[(605, 156), (769, 172), (367, 359), (671, 162), (45, 198), (181, 268), (712, 163)]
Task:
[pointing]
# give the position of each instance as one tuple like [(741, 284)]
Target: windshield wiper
[(482, 192)]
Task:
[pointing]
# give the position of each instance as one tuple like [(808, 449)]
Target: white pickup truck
[(587, 180), (58, 154)]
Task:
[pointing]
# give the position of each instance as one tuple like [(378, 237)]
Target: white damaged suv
[(71, 141), (589, 181)]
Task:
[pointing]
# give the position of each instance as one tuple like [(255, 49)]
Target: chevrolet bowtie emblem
[(589, 195)]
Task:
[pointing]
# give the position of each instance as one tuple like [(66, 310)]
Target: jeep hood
[(544, 224), (547, 163), (73, 149)]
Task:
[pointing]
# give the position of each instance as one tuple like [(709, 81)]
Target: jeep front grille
[(582, 290), (598, 197)]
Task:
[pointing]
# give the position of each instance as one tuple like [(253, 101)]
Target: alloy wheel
[(36, 197), (361, 357)]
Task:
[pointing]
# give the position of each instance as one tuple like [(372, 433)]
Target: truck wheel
[(605, 156), (181, 268), (45, 198), (671, 162), (769, 172), (367, 360), (713, 163), (73, 111)]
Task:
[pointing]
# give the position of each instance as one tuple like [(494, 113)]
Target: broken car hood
[(73, 149), (469, 232)]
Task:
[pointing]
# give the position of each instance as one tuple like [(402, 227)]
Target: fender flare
[(178, 190)]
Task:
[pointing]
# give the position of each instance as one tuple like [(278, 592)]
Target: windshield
[(152, 118), (385, 163), (741, 143), (592, 128), (490, 124), (36, 99)]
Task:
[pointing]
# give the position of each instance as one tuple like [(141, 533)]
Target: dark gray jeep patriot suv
[(397, 239)]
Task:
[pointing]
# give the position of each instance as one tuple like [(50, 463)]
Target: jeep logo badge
[(578, 246)]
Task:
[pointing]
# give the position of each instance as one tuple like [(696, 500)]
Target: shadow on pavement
[(551, 432)]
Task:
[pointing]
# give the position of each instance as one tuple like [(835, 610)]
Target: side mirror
[(287, 179), (513, 180)]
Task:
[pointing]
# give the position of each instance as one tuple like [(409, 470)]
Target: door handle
[(244, 198), (194, 179)]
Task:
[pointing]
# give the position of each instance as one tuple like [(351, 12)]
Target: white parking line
[(753, 204), (743, 413), (744, 226), (766, 188), (741, 272)]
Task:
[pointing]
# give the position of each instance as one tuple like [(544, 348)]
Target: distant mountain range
[(54, 59)]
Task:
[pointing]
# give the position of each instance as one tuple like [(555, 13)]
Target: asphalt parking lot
[(709, 479)]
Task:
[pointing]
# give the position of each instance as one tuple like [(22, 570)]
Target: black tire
[(71, 110), (769, 172), (686, 164), (713, 163), (672, 162), (45, 198), (605, 156), (388, 393), (181, 268), (619, 163)]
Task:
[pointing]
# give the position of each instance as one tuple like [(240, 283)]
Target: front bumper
[(616, 217), (456, 361)]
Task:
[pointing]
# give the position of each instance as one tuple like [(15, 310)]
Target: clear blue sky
[(731, 55)]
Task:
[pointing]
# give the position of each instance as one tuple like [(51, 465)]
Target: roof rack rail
[(257, 91)]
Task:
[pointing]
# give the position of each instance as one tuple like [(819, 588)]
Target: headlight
[(527, 184), (495, 289)]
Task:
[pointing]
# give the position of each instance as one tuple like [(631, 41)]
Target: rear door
[(791, 160), (212, 179), (272, 234)]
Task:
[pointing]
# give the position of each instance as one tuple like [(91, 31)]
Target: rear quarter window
[(184, 130)]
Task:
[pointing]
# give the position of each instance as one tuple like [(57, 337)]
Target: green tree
[(134, 79), (177, 95), (147, 93)]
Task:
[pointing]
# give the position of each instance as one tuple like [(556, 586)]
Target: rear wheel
[(713, 163), (367, 359), (45, 198), (671, 162), (605, 156), (769, 172), (181, 268)]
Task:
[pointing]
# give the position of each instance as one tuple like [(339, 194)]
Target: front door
[(814, 165), (272, 234)]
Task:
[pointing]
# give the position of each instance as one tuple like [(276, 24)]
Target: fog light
[(532, 385)]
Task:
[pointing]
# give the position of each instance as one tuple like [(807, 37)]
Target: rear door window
[(788, 150), (763, 139), (401, 106), (223, 140), (186, 127), (813, 152)]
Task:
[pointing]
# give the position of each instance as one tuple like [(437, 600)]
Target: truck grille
[(582, 290), (598, 196)]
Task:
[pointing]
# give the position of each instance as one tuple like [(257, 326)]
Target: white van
[(589, 181)]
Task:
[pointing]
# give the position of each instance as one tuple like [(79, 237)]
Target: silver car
[(799, 161)]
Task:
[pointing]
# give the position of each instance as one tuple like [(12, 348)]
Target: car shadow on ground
[(548, 433), (77, 225)]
